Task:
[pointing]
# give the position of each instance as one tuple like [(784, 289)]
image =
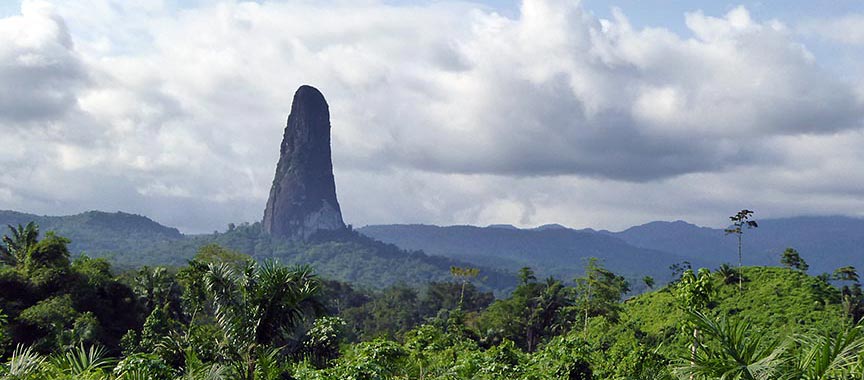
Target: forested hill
[(100, 233), (133, 240)]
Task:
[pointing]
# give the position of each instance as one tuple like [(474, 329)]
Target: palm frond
[(80, 361), (24, 363), (735, 351), (828, 357)]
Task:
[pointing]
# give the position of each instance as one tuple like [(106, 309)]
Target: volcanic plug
[(303, 197)]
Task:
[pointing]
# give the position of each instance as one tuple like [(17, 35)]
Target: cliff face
[(303, 197)]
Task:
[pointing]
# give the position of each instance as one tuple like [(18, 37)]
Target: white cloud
[(39, 70), (848, 29), (443, 113)]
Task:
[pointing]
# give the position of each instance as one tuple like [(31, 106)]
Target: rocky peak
[(303, 197)]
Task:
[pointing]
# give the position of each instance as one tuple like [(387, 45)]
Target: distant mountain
[(504, 226), (550, 250), (683, 239), (553, 226), (825, 242)]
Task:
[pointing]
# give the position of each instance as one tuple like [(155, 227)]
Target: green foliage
[(142, 366), (533, 312), (47, 261), (153, 286), (526, 275), (216, 254), (95, 271), (829, 356), (694, 291), (85, 329), (733, 351), (157, 326), (25, 364), (847, 273), (649, 282), (792, 259), (463, 276), (81, 363), (14, 249), (4, 337), (390, 314), (54, 304), (599, 291), (565, 357), (51, 317), (258, 307), (378, 359), (774, 300), (728, 274), (322, 340)]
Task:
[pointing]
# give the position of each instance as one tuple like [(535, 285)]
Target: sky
[(601, 114)]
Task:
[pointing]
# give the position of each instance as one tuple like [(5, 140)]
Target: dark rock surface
[(303, 197)]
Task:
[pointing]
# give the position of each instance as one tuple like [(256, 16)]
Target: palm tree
[(728, 273), (195, 369), (24, 364), (17, 245), (734, 352), (258, 307), (830, 356), (81, 363), (153, 285), (542, 318)]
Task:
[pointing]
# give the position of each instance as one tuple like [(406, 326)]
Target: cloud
[(848, 29), (39, 70), (442, 113)]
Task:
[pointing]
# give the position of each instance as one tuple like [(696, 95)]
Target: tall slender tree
[(599, 291), (464, 276), (740, 222)]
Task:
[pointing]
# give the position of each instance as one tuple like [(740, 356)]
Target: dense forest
[(224, 315)]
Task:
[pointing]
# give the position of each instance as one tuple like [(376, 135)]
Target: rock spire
[(303, 197)]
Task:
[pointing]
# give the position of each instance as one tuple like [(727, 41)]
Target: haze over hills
[(825, 242), (556, 251)]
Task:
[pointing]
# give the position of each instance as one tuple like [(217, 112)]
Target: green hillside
[(772, 299), (129, 239)]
